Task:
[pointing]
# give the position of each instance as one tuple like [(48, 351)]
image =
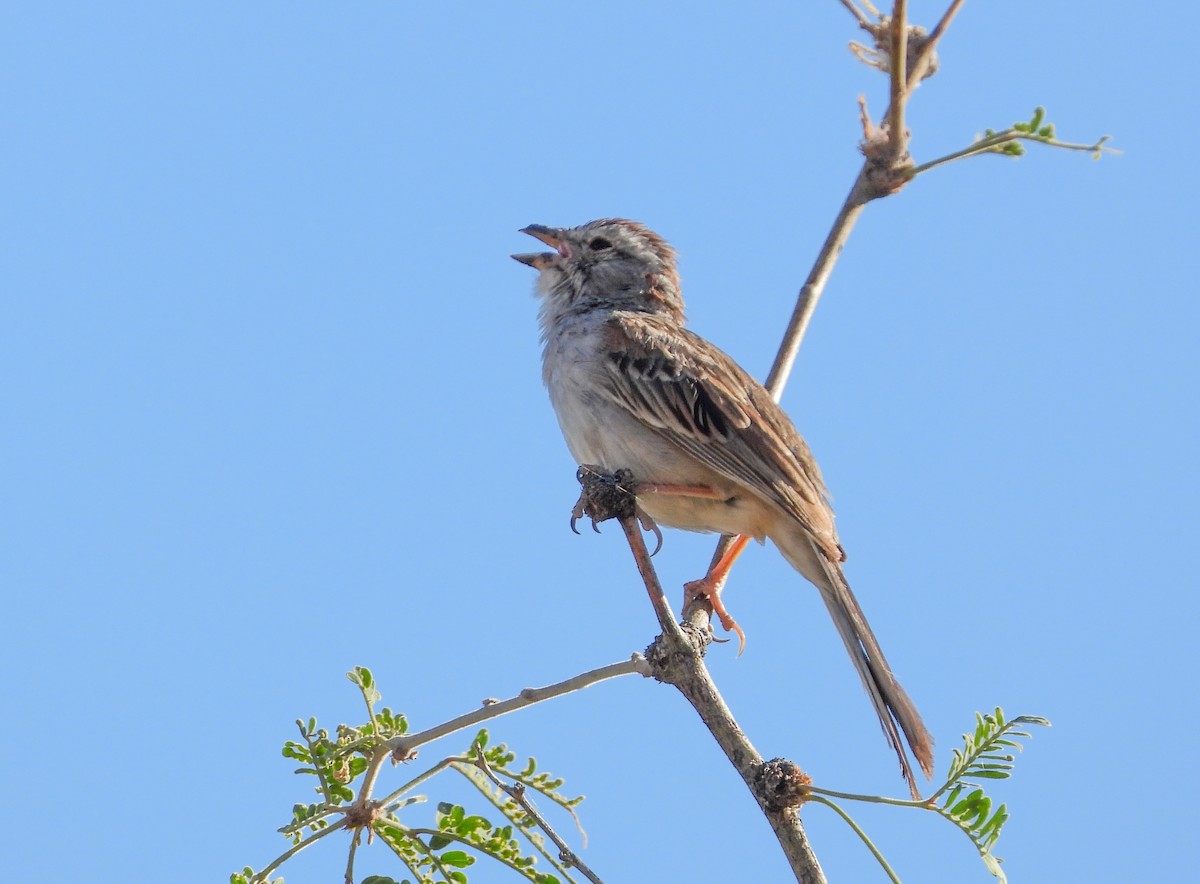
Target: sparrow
[(709, 448)]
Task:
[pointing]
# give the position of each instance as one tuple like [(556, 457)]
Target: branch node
[(403, 753), (362, 814), (889, 165), (669, 662), (879, 56), (781, 784)]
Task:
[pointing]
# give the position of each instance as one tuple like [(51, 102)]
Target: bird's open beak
[(548, 235)]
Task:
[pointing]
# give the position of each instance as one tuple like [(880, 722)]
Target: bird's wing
[(700, 400)]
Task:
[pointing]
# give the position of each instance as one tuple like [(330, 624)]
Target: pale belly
[(602, 434)]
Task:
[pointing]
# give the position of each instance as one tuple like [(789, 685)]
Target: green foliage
[(1034, 127), (345, 763), (1008, 142), (987, 754)]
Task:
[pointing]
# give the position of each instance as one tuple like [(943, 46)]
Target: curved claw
[(574, 519), (595, 526), (703, 588), (648, 524)]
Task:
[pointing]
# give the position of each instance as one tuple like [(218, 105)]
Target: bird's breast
[(601, 432)]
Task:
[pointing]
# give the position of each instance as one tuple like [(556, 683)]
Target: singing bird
[(710, 449)]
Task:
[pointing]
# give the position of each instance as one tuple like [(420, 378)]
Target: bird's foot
[(610, 496), (603, 496), (706, 588)]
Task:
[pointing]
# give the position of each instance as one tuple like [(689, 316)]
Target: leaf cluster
[(988, 753), (342, 763), (1035, 130)]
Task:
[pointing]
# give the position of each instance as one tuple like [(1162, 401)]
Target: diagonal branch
[(677, 658), (925, 56), (862, 191)]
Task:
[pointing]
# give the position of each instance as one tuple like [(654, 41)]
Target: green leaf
[(457, 858), (437, 842), (1031, 719), (970, 801), (999, 818)]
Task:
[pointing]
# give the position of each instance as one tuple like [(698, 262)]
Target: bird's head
[(607, 263)]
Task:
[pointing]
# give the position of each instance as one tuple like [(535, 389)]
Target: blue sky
[(272, 408)]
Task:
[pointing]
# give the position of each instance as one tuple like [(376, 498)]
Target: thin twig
[(468, 769), (354, 842), (516, 792), (318, 768), (392, 803), (806, 305), (813, 286), (861, 834), (288, 854), (898, 79), (920, 804), (403, 745), (863, 21), (925, 55), (991, 142)]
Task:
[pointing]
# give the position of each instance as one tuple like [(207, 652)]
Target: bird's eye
[(599, 244)]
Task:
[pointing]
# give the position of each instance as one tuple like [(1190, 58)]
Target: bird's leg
[(709, 587), (702, 491), (595, 501)]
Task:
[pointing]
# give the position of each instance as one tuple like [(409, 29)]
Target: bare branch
[(516, 792), (402, 746), (677, 659), (813, 286)]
